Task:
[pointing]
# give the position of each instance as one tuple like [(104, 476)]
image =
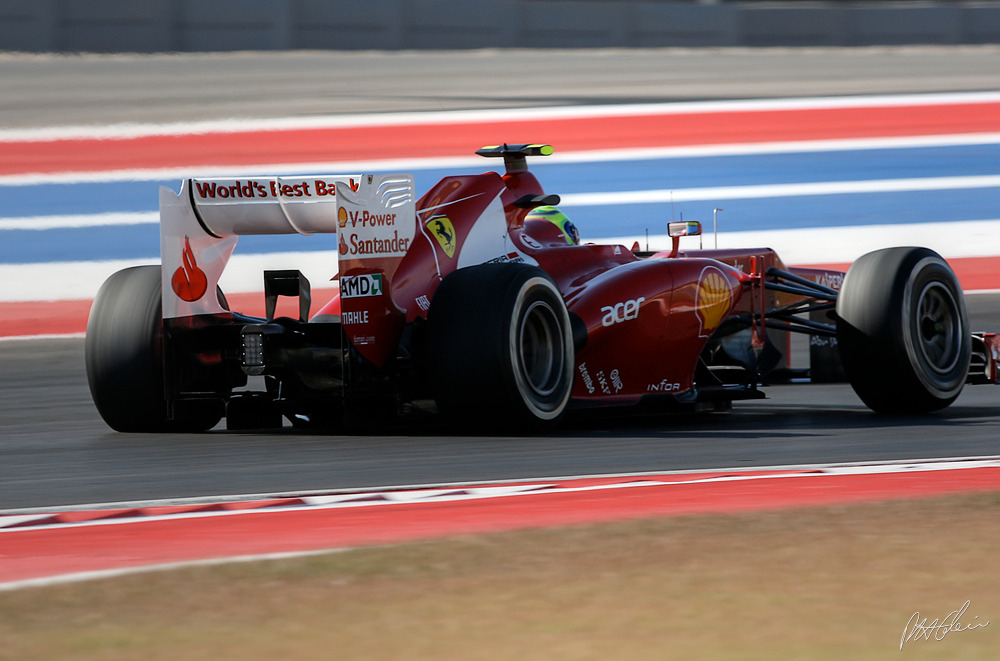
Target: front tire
[(124, 358), (501, 347), (903, 331)]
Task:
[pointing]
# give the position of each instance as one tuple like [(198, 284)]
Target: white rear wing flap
[(200, 225)]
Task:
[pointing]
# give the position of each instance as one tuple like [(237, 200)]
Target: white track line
[(68, 281), (818, 470), (667, 195), (170, 566), (76, 221), (486, 491), (50, 281)]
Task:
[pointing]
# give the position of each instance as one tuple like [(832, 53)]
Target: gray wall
[(225, 25)]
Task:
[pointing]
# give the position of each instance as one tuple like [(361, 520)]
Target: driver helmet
[(557, 218)]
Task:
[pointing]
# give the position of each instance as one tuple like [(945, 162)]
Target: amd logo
[(619, 312), (356, 286)]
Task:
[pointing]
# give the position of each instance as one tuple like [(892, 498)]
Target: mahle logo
[(357, 286)]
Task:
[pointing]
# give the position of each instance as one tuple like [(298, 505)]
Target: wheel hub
[(939, 328), (538, 348)]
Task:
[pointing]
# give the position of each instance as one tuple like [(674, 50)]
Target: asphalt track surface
[(58, 90), (56, 452)]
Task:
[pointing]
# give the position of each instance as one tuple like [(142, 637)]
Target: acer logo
[(619, 312)]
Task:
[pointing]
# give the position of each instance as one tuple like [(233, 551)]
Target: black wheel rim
[(540, 349), (939, 328)]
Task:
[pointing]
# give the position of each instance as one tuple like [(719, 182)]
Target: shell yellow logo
[(713, 299), (342, 217)]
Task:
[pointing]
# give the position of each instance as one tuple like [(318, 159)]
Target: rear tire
[(501, 347), (124, 358), (903, 331)]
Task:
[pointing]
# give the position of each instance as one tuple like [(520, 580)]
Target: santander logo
[(189, 282)]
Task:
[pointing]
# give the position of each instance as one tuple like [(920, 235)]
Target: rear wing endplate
[(375, 216)]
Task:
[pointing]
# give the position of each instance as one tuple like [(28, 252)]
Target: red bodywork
[(647, 318)]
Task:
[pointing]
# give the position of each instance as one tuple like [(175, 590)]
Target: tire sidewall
[(932, 271), (124, 357), (474, 357), (124, 350), (879, 334), (536, 293)]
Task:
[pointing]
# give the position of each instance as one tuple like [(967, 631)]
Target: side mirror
[(679, 228), (683, 228)]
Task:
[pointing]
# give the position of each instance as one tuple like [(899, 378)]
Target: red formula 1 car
[(470, 302)]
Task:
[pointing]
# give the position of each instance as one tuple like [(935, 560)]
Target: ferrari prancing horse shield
[(444, 232)]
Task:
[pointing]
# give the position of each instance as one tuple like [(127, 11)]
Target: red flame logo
[(189, 282)]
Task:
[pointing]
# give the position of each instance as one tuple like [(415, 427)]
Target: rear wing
[(375, 216)]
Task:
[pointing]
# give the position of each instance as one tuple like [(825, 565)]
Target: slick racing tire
[(124, 358), (903, 331), (500, 347)]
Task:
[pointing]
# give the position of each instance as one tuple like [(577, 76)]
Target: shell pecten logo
[(713, 299), (342, 217)]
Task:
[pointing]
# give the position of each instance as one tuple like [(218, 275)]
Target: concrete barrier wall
[(226, 25)]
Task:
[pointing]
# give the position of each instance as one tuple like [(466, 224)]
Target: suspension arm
[(806, 287)]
